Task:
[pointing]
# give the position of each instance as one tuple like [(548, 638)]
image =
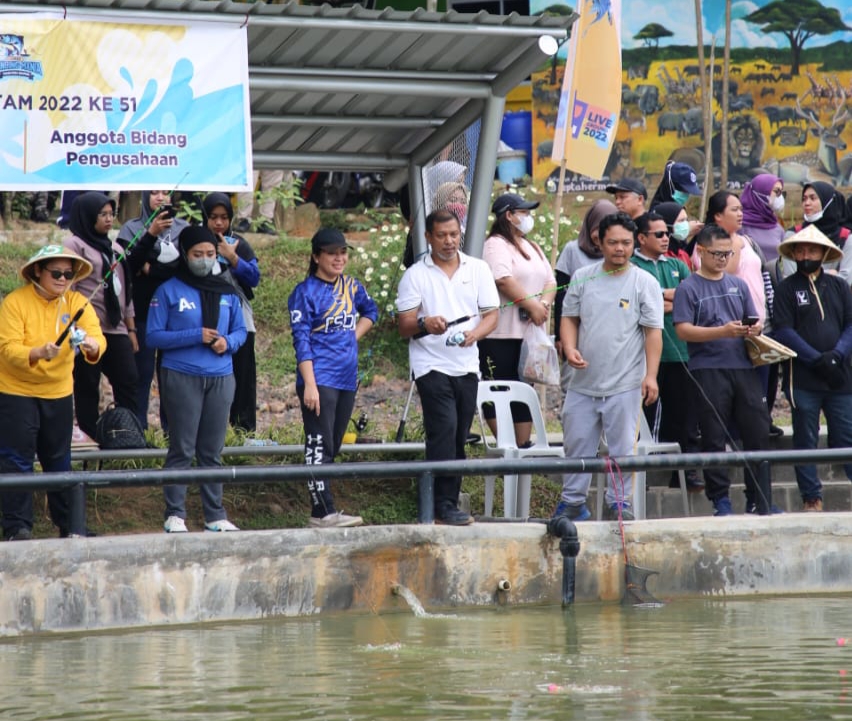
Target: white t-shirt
[(427, 288)]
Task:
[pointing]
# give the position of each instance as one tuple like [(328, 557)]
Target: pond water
[(777, 659)]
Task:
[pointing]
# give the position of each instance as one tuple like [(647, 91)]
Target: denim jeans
[(838, 416)]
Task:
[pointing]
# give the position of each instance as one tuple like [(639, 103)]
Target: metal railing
[(761, 463)]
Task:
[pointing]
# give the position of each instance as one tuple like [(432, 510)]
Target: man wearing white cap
[(813, 316)]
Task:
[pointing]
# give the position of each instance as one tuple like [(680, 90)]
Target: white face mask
[(777, 204), (815, 217), (526, 224), (680, 230)]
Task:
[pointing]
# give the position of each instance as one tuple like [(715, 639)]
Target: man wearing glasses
[(672, 417), (713, 312)]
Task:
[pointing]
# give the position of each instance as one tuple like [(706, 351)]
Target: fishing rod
[(509, 304), (103, 284)]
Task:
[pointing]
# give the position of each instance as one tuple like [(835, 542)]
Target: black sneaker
[(267, 228), (242, 226), (453, 517), (751, 507), (775, 431), (21, 534)]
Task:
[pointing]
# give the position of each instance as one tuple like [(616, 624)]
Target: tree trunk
[(726, 70)]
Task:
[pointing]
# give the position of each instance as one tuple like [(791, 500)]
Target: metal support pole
[(417, 222), (764, 488), (483, 177), (426, 498), (77, 509)]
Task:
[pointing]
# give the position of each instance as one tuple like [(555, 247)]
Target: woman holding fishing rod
[(109, 292), (36, 380), (526, 285)]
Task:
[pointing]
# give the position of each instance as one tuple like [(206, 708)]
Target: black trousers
[(725, 396), (498, 360), (323, 436), (35, 428), (448, 403), (244, 408), (119, 366)]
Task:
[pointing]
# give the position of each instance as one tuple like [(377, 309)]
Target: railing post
[(426, 498), (764, 488), (77, 510)]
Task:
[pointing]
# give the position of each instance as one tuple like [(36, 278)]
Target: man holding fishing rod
[(447, 301), (36, 379)]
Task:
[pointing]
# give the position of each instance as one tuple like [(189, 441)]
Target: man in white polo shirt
[(443, 287)]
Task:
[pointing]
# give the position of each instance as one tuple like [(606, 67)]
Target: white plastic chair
[(516, 488), (645, 445)]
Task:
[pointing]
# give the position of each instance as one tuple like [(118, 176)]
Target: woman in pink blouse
[(524, 279)]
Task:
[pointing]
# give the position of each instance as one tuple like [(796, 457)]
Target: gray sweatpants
[(197, 410), (583, 419)]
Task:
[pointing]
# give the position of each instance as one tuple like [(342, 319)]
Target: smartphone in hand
[(750, 319)]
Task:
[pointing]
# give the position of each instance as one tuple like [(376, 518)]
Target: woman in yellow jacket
[(36, 379)]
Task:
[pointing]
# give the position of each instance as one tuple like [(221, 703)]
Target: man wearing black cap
[(447, 301), (630, 196)]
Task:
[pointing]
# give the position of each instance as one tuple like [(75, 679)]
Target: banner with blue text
[(111, 105)]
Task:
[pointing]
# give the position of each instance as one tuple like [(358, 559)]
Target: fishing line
[(103, 284)]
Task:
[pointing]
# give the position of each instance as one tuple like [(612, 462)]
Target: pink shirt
[(534, 275)]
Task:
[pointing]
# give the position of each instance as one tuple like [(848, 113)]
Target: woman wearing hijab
[(36, 380), (763, 202), (239, 261), (196, 320), (681, 231), (678, 183), (153, 260), (108, 286), (822, 206), (575, 255), (520, 270)]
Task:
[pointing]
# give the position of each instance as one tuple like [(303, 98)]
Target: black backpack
[(119, 428)]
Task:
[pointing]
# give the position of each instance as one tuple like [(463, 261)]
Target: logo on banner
[(592, 122), (13, 59)]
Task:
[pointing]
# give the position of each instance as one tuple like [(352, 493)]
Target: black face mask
[(808, 266)]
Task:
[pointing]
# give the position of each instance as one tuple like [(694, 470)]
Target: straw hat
[(810, 234), (81, 266)]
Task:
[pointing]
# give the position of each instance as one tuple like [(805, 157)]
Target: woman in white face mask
[(822, 206), (763, 203), (196, 320), (525, 280)]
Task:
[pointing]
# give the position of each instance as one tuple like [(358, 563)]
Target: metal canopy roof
[(349, 88)]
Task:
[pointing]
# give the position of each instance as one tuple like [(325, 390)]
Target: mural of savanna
[(789, 93)]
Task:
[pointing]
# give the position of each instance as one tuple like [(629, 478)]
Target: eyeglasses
[(57, 274), (719, 254), (106, 215), (657, 233)]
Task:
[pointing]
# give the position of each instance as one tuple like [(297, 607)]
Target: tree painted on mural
[(798, 21), (651, 34), (561, 11)]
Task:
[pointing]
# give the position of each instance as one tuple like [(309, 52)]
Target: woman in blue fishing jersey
[(329, 313), (196, 320)]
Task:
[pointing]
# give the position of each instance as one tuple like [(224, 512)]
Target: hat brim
[(691, 188), (82, 267), (785, 248)]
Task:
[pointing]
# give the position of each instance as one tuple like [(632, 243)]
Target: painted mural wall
[(789, 94)]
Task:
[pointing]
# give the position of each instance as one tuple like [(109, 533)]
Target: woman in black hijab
[(111, 296), (240, 261), (823, 207)]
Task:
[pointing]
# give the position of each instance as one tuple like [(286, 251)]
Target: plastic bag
[(539, 362)]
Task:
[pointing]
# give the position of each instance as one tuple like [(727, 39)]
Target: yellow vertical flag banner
[(590, 102)]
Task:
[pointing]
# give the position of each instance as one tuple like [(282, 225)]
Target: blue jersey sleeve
[(300, 322)]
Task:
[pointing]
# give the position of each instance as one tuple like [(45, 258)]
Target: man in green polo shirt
[(672, 417)]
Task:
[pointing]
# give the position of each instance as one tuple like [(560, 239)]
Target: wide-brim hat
[(813, 235), (80, 266)]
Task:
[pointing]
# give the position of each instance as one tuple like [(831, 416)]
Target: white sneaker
[(223, 525), (175, 524), (335, 520)]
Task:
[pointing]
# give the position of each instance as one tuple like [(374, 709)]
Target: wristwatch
[(421, 323)]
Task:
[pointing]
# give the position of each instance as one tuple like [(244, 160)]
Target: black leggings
[(498, 361)]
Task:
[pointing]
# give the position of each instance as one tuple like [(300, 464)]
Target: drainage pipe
[(569, 545)]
